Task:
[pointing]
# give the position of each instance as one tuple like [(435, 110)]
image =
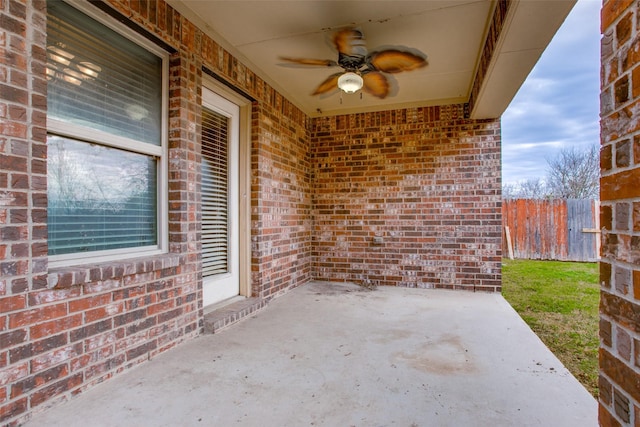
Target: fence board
[(552, 229)]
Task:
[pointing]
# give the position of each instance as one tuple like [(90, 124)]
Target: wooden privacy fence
[(558, 229)]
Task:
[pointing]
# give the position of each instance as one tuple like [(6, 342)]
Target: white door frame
[(222, 100)]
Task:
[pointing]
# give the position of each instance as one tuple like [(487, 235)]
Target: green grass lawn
[(559, 301)]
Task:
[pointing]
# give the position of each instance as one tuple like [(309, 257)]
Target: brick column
[(620, 215), (280, 197), (23, 172), (185, 211)]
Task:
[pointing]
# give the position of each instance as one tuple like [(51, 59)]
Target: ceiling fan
[(361, 69)]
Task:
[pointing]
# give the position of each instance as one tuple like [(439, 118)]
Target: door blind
[(215, 193)]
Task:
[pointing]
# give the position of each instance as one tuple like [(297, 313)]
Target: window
[(106, 142)]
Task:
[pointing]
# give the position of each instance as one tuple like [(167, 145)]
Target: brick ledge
[(66, 277), (225, 316)]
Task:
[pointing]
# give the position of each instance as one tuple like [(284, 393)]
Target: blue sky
[(558, 105)]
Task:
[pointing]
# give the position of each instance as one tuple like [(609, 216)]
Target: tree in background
[(572, 174), (534, 188), (510, 191), (575, 174)]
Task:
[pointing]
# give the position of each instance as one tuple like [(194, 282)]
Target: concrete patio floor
[(341, 355)]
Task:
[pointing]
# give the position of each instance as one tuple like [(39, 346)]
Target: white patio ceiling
[(451, 33)]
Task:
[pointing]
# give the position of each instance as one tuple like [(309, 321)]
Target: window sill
[(67, 277)]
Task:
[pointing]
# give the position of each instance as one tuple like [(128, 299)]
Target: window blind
[(100, 79), (215, 193), (100, 198)]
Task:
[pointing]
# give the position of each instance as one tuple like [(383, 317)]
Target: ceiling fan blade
[(396, 61), (350, 42), (376, 84), (309, 61), (328, 85)]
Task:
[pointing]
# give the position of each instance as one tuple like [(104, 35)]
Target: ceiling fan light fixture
[(350, 82)]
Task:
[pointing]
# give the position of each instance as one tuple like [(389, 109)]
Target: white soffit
[(528, 30)]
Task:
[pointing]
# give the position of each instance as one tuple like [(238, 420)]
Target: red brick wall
[(64, 330), (620, 216), (424, 180), (23, 202), (280, 199)]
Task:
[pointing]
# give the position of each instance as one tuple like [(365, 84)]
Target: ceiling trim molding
[(387, 107)]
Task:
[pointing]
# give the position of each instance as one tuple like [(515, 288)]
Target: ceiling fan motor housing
[(350, 62)]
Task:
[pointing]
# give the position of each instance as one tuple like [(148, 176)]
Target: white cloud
[(558, 106)]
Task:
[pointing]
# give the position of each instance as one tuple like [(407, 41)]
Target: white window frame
[(90, 135)]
